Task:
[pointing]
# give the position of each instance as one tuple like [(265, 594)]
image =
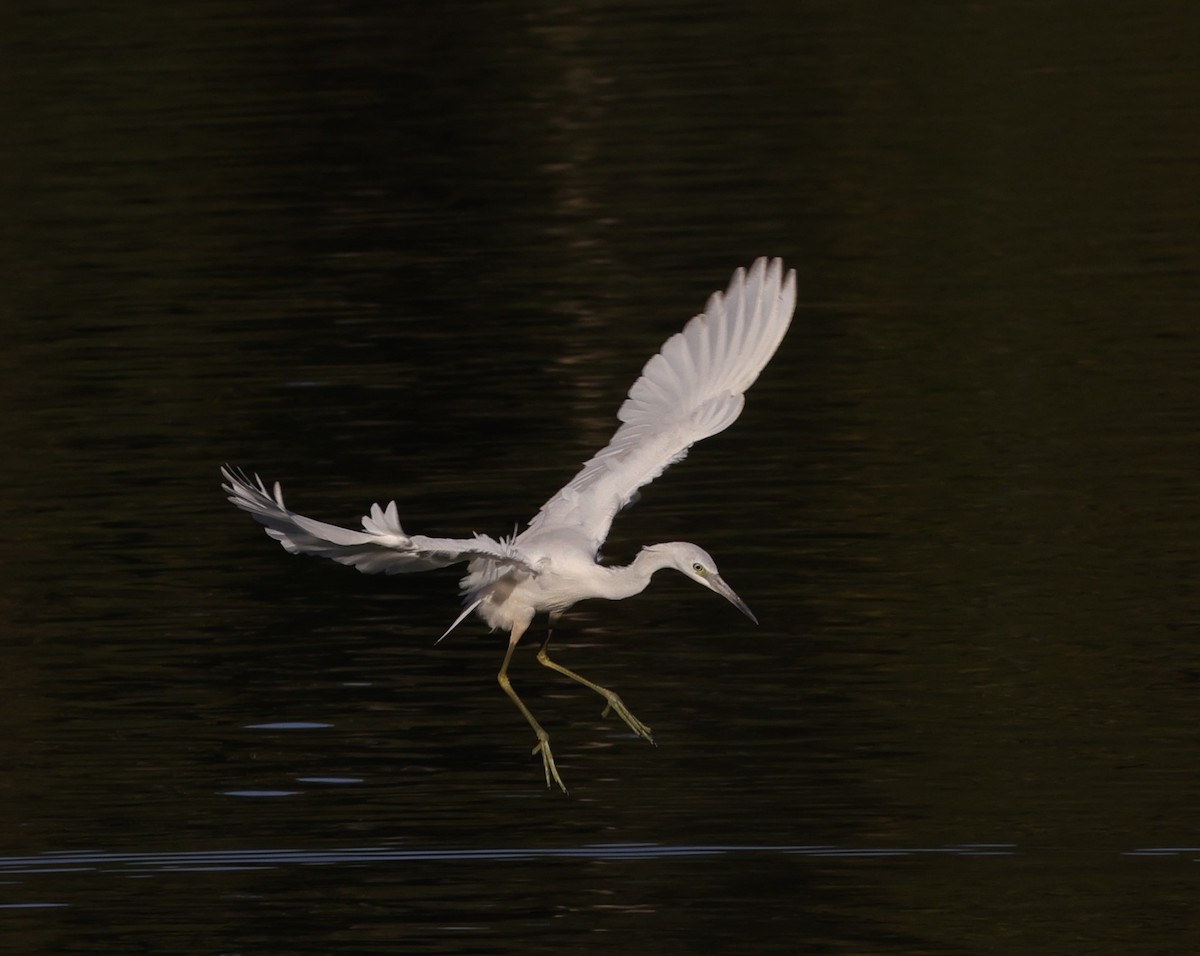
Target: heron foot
[(617, 706), (543, 747)]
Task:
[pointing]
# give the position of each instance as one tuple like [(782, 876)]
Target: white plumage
[(691, 389)]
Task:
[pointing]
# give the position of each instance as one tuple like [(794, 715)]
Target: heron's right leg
[(543, 744), (613, 699)]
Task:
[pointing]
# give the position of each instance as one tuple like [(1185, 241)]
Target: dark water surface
[(420, 251)]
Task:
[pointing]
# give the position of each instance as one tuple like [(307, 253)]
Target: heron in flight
[(691, 389)]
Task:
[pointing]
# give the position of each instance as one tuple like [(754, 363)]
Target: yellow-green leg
[(614, 702), (543, 744)]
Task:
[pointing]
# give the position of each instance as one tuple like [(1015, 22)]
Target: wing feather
[(381, 547), (692, 389)]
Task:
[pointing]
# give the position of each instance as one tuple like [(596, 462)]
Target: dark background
[(419, 251)]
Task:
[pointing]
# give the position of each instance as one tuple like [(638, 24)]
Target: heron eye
[(698, 568)]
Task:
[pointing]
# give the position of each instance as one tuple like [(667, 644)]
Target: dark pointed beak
[(717, 583)]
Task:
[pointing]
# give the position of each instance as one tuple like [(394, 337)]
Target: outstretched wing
[(381, 547), (691, 389)]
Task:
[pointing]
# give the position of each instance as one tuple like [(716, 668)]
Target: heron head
[(694, 562)]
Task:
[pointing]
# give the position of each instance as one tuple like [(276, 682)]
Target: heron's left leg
[(543, 744), (615, 704)]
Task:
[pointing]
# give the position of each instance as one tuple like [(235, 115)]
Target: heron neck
[(634, 577)]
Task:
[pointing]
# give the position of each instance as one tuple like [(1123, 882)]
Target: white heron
[(691, 389)]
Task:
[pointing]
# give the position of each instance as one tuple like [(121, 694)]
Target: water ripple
[(54, 862)]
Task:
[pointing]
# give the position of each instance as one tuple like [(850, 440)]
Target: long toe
[(543, 746), (617, 706)]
